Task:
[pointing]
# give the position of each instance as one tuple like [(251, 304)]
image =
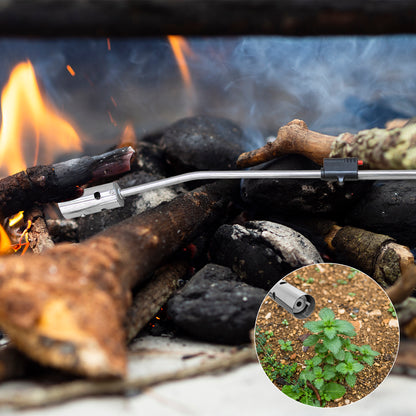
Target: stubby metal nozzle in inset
[(296, 302)]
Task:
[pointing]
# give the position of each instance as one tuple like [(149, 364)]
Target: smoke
[(335, 84)]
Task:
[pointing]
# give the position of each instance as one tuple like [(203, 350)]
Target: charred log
[(59, 181), (262, 252)]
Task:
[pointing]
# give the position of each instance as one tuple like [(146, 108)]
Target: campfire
[(194, 261)]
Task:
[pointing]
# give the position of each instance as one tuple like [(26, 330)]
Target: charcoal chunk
[(262, 252), (388, 208), (300, 195), (216, 306), (203, 143)]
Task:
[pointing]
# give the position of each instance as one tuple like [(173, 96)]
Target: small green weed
[(285, 345), (285, 322), (336, 362), (392, 311)]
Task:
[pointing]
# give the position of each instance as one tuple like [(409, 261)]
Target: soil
[(358, 299)]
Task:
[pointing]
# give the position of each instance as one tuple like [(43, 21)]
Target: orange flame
[(128, 138), (5, 243), (180, 47), (31, 125)]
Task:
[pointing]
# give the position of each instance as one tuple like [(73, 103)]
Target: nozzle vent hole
[(299, 303), (97, 195)]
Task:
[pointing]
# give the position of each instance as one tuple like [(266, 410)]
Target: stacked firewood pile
[(206, 255)]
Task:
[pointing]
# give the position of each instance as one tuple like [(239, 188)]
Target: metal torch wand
[(110, 195)]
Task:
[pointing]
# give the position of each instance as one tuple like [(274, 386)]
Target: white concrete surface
[(244, 391)]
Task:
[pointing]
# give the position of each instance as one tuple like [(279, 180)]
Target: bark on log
[(148, 301), (377, 148), (39, 238), (375, 254), (60, 181), (65, 308)]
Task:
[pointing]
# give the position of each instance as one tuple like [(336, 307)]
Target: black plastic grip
[(340, 169)]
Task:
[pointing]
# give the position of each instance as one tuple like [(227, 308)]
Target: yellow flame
[(31, 127), (16, 218)]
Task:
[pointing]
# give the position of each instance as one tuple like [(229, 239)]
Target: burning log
[(39, 238), (377, 148), (375, 254), (60, 181), (65, 308)]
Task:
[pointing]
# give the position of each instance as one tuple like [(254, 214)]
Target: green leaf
[(317, 371), (316, 360), (342, 368), (329, 372), (367, 350), (333, 390), (308, 375), (330, 332), (330, 359), (314, 326), (350, 379), (357, 367), (320, 348), (319, 382), (345, 327), (333, 345), (326, 314), (291, 391), (311, 340), (349, 358), (340, 355), (366, 359)]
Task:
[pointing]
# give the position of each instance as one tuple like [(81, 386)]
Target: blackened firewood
[(68, 305), (59, 181), (389, 208), (262, 252), (216, 306), (39, 238), (202, 143), (312, 196)]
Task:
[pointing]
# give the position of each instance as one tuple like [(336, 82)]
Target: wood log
[(153, 296), (375, 254), (39, 238), (377, 148), (205, 17), (60, 181), (65, 308)]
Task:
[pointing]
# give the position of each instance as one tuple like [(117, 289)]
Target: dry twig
[(35, 397)]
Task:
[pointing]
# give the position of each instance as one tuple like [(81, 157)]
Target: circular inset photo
[(327, 335)]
